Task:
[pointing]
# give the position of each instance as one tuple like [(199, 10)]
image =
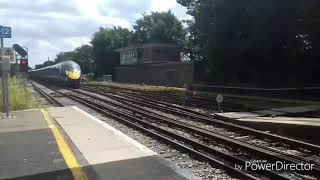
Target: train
[(66, 73)]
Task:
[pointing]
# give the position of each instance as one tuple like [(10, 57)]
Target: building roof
[(147, 45), (156, 64), (127, 48), (159, 45)]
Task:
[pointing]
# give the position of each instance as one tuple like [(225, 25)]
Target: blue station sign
[(5, 32)]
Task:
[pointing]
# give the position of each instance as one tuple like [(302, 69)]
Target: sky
[(47, 27)]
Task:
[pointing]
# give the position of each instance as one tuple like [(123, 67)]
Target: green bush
[(19, 97)]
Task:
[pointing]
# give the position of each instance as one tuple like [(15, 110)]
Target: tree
[(64, 56), (192, 46), (38, 66), (159, 27), (105, 42), (45, 64), (83, 55), (266, 43), (48, 63)]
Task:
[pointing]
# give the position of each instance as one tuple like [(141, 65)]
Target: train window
[(70, 66)]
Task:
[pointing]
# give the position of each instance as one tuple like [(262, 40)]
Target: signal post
[(5, 32)]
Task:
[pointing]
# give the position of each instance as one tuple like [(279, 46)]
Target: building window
[(129, 56)]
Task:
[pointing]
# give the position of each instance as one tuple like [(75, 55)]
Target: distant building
[(154, 64), (149, 53)]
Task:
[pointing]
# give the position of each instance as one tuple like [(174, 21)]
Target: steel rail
[(127, 119), (175, 98), (45, 95), (115, 114), (194, 144), (271, 154), (202, 117)]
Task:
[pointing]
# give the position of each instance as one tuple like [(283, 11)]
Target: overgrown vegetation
[(19, 97), (138, 87)]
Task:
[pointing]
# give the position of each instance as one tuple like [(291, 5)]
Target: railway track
[(202, 143), (208, 119), (50, 98), (238, 132), (186, 99), (193, 100)]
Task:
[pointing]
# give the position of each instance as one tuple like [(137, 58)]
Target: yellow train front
[(71, 74), (66, 73)]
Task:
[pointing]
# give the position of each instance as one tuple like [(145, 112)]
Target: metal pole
[(3, 83), (5, 89), (7, 93)]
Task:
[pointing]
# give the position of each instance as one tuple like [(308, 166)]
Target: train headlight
[(73, 74)]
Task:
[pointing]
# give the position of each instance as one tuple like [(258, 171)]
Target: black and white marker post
[(219, 101)]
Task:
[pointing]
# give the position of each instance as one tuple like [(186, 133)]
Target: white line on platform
[(127, 138)]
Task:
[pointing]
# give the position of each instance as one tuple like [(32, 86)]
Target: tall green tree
[(64, 56), (159, 27), (192, 44), (105, 42), (266, 42), (45, 64), (83, 55)]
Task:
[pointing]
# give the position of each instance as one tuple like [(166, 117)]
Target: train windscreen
[(70, 66)]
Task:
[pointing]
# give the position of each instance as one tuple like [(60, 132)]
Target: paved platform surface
[(28, 149), (278, 115), (285, 120), (67, 143), (109, 153)]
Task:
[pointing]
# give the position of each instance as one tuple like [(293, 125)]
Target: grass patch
[(138, 87), (19, 97)]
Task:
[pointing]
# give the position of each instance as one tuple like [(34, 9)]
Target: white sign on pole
[(8, 52), (219, 98)]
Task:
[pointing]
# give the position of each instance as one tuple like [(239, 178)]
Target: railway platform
[(277, 115), (292, 121), (68, 143)]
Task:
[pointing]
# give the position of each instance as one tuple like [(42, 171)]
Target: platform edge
[(121, 134), (64, 148)]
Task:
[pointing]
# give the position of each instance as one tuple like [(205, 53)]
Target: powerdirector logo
[(263, 165)]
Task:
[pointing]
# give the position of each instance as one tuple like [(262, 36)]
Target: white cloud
[(165, 5), (48, 27), (162, 5)]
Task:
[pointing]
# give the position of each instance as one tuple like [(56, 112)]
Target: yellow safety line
[(64, 148)]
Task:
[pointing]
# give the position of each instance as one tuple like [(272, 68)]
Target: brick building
[(154, 64), (149, 53)]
